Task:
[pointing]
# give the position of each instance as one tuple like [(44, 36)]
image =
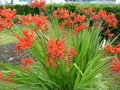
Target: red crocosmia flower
[(72, 14), (61, 26), (23, 66), (102, 14), (26, 67), (84, 26), (116, 64), (115, 21), (101, 28), (50, 60), (78, 28), (56, 48), (85, 11), (109, 48), (24, 60), (30, 35), (26, 20), (111, 20), (66, 23), (63, 23), (73, 51), (70, 22), (56, 51), (5, 23), (94, 16), (117, 48), (29, 60), (88, 11), (82, 8), (79, 18), (55, 65), (64, 32), (111, 34), (61, 13), (115, 37), (39, 3), (41, 22), (26, 41), (98, 23), (7, 13), (108, 31), (10, 77)]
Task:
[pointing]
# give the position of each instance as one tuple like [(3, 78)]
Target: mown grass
[(6, 37)]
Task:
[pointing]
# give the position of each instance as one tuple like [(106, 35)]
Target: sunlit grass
[(6, 38)]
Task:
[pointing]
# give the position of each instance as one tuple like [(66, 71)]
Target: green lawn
[(6, 37)]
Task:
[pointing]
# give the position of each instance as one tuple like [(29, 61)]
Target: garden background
[(7, 41)]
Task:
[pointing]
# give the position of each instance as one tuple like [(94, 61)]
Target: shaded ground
[(7, 48), (8, 54)]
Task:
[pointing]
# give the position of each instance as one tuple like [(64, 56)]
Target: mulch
[(8, 54)]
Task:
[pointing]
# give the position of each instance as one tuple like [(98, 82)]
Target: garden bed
[(8, 55)]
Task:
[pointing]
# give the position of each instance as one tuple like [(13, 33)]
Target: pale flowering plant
[(63, 55)]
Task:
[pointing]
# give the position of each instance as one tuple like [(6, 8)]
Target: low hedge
[(26, 9), (74, 7)]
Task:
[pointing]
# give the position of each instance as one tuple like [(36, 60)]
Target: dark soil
[(9, 55)]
